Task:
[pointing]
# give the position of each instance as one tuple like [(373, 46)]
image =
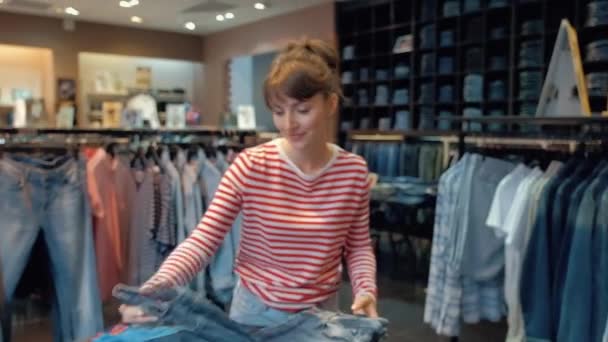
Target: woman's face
[(304, 122)]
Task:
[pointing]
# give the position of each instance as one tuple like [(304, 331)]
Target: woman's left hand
[(365, 305)]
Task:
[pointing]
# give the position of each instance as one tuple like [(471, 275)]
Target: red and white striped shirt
[(296, 228)]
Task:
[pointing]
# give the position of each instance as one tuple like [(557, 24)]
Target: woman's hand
[(135, 315), (365, 305)]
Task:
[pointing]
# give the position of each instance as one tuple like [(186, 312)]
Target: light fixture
[(128, 3), (229, 15), (190, 26), (72, 11), (219, 17), (260, 6), (137, 19), (1, 2)]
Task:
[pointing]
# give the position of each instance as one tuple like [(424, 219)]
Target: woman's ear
[(333, 104)]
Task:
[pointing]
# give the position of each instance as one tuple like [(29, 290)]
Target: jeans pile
[(496, 127), (381, 74), (427, 64), (364, 74), (530, 85), (474, 59), (446, 65), (381, 95), (498, 3), (186, 317), (384, 124), (427, 37), (497, 90), (406, 190), (471, 112), (597, 83), (531, 53), (427, 121), (597, 13), (451, 8), (446, 94), (532, 27), (401, 96), (402, 120), (528, 109), (348, 52), (446, 38), (427, 93), (402, 71), (473, 88), (445, 125), (597, 51), (471, 5), (347, 77), (362, 98), (498, 63)]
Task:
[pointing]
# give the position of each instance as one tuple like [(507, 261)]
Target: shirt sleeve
[(193, 254), (360, 258)]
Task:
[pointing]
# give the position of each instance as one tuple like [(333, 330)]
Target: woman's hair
[(303, 69)]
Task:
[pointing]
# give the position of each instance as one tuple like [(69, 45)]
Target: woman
[(305, 204)]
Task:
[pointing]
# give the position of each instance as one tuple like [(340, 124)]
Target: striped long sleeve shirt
[(296, 228)]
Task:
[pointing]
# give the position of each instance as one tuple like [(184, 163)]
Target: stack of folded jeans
[(471, 5), (597, 13), (528, 109), (427, 93), (348, 52), (384, 124), (427, 37), (365, 123), (362, 98), (446, 38), (597, 51), (473, 88), (364, 74), (474, 59), (402, 120), (496, 127), (426, 118), (446, 94), (474, 33), (346, 126), (381, 74), (427, 12), (498, 3), (531, 53), (446, 65), (499, 32), (427, 64), (498, 63), (405, 190), (381, 95), (347, 77), (597, 83), (451, 8), (530, 85), (401, 96), (497, 90), (469, 126), (445, 125), (532, 27), (402, 71)]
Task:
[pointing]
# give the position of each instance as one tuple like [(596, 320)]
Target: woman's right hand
[(135, 315)]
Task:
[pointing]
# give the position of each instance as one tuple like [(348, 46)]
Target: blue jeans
[(50, 197), (203, 321)]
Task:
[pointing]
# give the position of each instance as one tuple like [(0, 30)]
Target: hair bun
[(317, 47)]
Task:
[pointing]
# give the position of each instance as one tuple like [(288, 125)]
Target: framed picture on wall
[(66, 90)]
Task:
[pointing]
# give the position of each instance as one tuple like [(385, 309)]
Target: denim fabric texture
[(381, 74), (451, 8), (473, 88), (445, 125), (402, 71), (597, 13), (498, 90), (427, 37), (597, 84), (530, 27), (597, 51), (427, 64), (530, 85), (446, 65), (408, 160), (381, 95), (50, 196), (531, 53), (362, 98), (471, 112), (401, 96), (471, 5), (446, 38), (446, 93), (364, 74), (427, 120), (600, 282), (427, 93), (402, 120)]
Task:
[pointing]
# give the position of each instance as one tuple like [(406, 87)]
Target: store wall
[(256, 38), (261, 66), (35, 31)]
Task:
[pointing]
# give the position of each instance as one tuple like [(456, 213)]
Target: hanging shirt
[(296, 228)]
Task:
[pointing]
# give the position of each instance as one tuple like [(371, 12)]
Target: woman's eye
[(277, 113), (303, 110)]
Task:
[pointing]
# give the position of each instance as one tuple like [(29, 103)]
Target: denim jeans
[(597, 83), (426, 118), (381, 95), (348, 52), (446, 65), (446, 38), (498, 32), (445, 125), (427, 37), (206, 322), (497, 90), (600, 283), (427, 64), (402, 120), (498, 3), (471, 5), (597, 51), (451, 8), (401, 96), (471, 126), (532, 27), (473, 88), (402, 71), (597, 13), (446, 94), (408, 160), (50, 197), (427, 93)]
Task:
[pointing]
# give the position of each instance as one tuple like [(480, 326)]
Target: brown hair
[(303, 69)]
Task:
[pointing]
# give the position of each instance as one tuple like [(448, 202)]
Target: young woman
[(305, 205)]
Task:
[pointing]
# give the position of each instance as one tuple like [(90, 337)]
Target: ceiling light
[(259, 6), (1, 1), (190, 26), (229, 15), (137, 19), (72, 11), (219, 17), (128, 3)]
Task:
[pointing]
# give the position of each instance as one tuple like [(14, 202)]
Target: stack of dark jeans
[(446, 94), (530, 85), (381, 74), (446, 38), (384, 124), (445, 125), (531, 53), (597, 51), (402, 71), (473, 88), (362, 98), (427, 64), (401, 96), (348, 52), (499, 32), (532, 27), (497, 90), (427, 93), (597, 13), (347, 77), (471, 5), (402, 120), (427, 37), (498, 3), (446, 65), (451, 8), (427, 12), (381, 95), (496, 127), (364, 74), (470, 126), (427, 121), (597, 83)]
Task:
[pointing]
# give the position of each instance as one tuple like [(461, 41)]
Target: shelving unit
[(372, 28)]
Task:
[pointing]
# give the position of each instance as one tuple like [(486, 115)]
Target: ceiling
[(166, 15)]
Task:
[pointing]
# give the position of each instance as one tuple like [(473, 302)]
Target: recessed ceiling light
[(259, 6), (128, 3), (1, 2), (72, 11), (137, 19), (219, 17), (229, 15), (190, 26)]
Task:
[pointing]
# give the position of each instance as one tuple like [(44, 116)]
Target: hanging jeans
[(50, 197), (198, 320)]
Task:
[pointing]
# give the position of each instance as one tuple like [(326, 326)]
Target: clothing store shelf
[(201, 130), (396, 135), (550, 121)]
